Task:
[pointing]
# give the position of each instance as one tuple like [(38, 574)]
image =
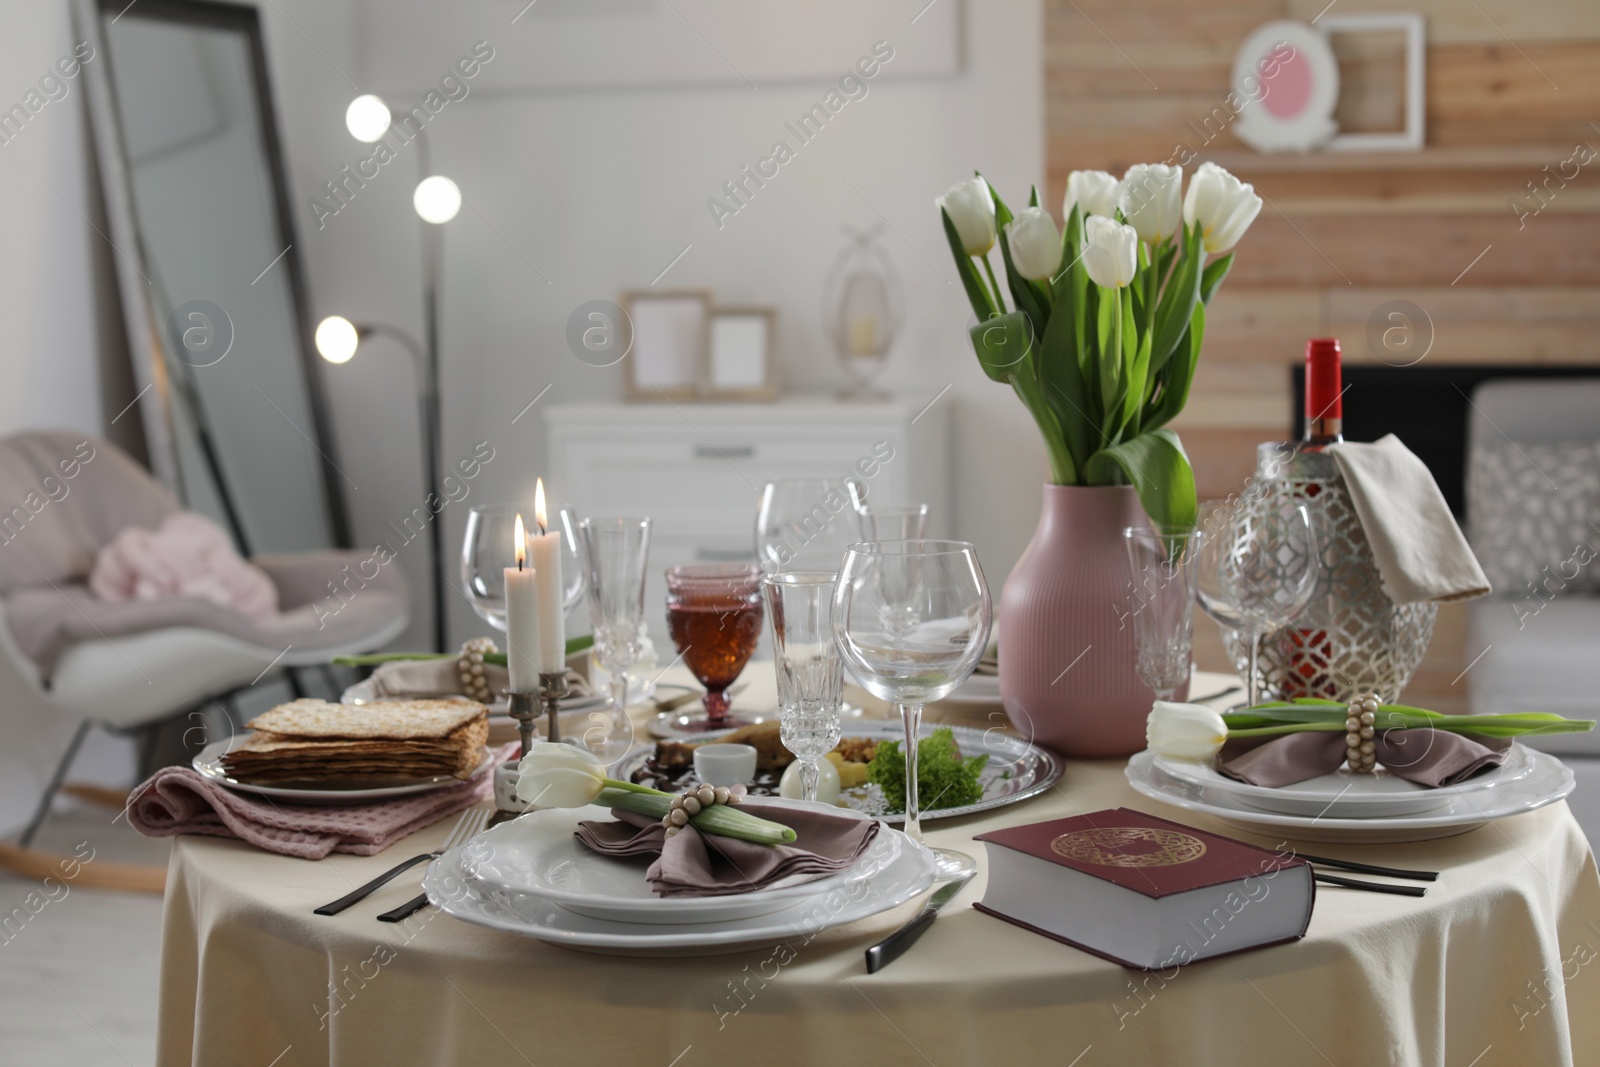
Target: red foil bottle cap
[(1324, 389)]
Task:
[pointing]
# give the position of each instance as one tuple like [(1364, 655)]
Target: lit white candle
[(552, 653), (522, 624)]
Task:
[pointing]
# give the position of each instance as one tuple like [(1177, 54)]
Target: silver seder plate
[(1016, 769)]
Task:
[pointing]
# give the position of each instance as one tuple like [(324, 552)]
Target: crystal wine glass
[(1254, 571), (810, 678), (911, 619), (714, 617), (892, 522), (486, 552), (616, 554), (1163, 569), (803, 524)]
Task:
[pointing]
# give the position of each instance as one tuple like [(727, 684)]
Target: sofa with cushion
[(1533, 517)]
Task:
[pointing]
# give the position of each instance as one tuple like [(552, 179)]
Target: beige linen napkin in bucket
[(1420, 551)]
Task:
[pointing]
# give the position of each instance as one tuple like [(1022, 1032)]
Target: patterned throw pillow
[(1534, 515)]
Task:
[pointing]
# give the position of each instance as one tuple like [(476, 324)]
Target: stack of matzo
[(312, 740)]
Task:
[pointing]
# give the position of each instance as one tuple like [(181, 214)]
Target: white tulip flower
[(1222, 205), (1151, 199), (1094, 191), (971, 210), (559, 776), (1110, 252), (1185, 731), (1035, 244)]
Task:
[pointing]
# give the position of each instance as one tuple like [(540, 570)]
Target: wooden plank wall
[(1513, 87)]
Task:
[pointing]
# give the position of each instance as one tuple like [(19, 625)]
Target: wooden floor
[(79, 967)]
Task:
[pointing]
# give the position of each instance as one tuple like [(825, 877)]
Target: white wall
[(49, 356), (599, 190)]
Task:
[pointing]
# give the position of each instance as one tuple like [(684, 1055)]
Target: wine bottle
[(1324, 395), (1307, 651)]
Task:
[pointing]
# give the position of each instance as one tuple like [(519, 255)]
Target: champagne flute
[(1163, 568), (810, 676), (616, 554), (1254, 572), (911, 619), (892, 522)]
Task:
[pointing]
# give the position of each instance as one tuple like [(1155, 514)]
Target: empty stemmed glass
[(714, 617), (1255, 571), (801, 524), (616, 553), (911, 619), (892, 522), (810, 678), (1163, 569), (486, 552)]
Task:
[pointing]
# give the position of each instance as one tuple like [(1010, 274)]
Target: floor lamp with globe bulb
[(436, 200)]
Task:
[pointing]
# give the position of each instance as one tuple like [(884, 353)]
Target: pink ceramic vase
[(1067, 654)]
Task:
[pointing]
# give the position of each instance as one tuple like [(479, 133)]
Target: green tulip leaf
[(1004, 344), (977, 293), (1158, 468), (1211, 279)]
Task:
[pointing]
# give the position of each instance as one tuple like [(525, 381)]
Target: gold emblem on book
[(1129, 846)]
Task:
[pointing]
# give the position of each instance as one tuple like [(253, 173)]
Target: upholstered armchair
[(70, 661)]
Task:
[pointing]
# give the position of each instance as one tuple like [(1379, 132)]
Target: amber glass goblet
[(714, 616)]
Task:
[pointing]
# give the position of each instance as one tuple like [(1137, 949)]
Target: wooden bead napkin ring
[(469, 667), (695, 801), (1360, 733)]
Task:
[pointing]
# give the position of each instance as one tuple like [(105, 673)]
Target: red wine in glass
[(714, 616)]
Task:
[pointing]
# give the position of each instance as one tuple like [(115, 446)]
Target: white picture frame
[(669, 343), (1414, 26)]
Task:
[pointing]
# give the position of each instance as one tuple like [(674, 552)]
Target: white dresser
[(698, 469)]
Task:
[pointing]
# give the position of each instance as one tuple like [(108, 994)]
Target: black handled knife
[(893, 947)]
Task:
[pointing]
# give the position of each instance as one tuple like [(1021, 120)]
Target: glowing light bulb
[(367, 118), (437, 199), (337, 339)]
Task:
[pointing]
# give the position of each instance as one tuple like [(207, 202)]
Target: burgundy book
[(1145, 892)]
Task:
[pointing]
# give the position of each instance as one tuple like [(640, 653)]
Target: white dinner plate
[(1345, 795), (1547, 781), (538, 855), (209, 763), (452, 890)]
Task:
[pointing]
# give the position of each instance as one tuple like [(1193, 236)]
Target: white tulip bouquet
[(1106, 319)]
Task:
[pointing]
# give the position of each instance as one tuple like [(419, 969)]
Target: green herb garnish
[(944, 778)]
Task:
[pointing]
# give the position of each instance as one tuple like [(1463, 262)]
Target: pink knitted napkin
[(177, 800)]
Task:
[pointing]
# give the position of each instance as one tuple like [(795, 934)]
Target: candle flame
[(538, 506), (521, 538)]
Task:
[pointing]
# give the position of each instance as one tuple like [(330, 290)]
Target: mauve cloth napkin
[(1420, 551), (177, 800), (1426, 757), (693, 864), (419, 678)]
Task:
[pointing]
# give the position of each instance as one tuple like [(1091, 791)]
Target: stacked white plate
[(1357, 807), (531, 877)]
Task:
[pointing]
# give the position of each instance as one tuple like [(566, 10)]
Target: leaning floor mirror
[(208, 274)]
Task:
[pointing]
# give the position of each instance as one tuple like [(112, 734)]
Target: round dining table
[(1499, 964)]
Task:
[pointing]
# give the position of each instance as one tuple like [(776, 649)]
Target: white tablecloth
[(1498, 964)]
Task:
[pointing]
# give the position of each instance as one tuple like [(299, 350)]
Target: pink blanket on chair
[(189, 556)]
